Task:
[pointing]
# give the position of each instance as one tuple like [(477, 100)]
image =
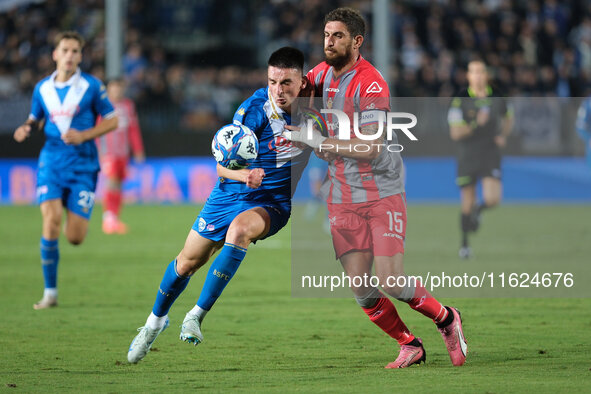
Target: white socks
[(154, 322), (198, 312), (50, 293)]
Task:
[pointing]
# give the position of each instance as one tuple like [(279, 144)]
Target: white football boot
[(191, 330), (141, 344)]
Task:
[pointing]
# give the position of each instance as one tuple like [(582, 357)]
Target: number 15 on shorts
[(395, 222)]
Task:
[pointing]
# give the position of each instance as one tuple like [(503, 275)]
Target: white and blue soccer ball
[(235, 146)]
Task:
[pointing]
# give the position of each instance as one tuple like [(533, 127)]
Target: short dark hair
[(69, 35), (287, 57), (350, 17)]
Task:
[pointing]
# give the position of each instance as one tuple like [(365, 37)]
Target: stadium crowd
[(533, 48)]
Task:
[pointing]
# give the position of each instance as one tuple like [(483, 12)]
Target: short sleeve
[(374, 100), (101, 103), (36, 106), (455, 115)]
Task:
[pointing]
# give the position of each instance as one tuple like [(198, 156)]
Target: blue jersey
[(74, 104), (282, 162)]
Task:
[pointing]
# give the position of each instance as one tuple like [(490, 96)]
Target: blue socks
[(171, 287), (221, 271), (50, 257)]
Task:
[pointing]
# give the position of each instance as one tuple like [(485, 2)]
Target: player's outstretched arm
[(24, 131), (253, 178), (75, 137)]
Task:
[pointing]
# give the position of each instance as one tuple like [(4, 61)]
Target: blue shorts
[(75, 189), (222, 208)]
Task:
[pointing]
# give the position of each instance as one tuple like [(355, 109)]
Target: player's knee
[(75, 239), (52, 220), (492, 201), (239, 233), (51, 226), (391, 284), (187, 265)]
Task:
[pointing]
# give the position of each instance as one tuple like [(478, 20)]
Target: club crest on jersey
[(374, 88), (329, 103)]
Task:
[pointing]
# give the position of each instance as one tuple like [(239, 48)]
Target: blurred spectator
[(532, 47)]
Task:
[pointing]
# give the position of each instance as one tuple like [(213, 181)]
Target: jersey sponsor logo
[(374, 88), (280, 144), (57, 114)]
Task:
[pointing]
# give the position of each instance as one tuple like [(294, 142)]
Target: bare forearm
[(23, 131), (101, 128), (235, 175)]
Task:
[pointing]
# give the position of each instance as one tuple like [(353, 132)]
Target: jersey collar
[(472, 94), (278, 112), (71, 81)]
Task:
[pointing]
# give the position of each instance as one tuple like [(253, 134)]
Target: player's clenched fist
[(255, 178), (22, 133), (73, 137)]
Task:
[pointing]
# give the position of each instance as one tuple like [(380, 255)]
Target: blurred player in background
[(583, 126), (114, 149), (245, 205), (365, 192), (480, 121), (69, 101)]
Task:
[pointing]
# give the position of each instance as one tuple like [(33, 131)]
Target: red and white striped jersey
[(126, 137), (361, 89)]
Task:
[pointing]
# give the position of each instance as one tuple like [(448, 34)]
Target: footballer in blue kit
[(281, 163), (245, 205), (67, 103)]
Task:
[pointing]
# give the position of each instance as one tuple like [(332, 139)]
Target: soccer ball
[(235, 146)]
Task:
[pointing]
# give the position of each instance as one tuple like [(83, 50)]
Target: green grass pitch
[(258, 338)]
